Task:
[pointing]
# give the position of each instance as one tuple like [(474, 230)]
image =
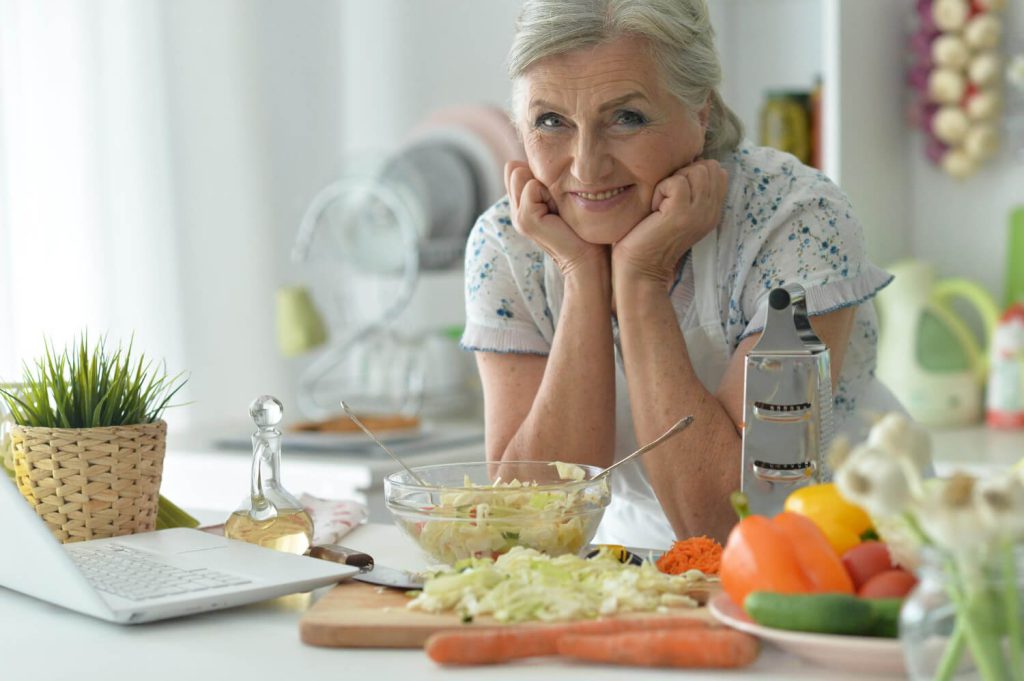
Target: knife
[(369, 572)]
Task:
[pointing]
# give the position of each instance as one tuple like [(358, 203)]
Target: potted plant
[(88, 441)]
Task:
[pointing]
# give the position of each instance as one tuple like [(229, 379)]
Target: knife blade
[(369, 571)]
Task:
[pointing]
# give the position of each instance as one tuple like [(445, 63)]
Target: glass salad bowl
[(480, 509)]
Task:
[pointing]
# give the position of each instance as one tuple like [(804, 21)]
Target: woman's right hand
[(535, 216)]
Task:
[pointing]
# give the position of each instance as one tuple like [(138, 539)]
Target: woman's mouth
[(601, 200)]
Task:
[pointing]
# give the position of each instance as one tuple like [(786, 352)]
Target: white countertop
[(38, 640), (42, 641), (199, 474), (976, 449)]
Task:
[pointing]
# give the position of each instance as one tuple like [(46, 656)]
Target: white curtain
[(86, 209)]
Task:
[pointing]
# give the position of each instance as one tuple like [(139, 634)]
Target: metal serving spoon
[(679, 427), (355, 420)]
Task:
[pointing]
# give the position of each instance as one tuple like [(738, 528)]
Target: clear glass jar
[(965, 621)]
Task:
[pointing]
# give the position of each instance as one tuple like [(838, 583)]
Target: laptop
[(150, 576)]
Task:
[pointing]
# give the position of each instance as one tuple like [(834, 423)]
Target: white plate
[(355, 440), (851, 653), (327, 441)]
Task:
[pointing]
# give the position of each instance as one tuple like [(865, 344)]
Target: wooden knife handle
[(342, 554)]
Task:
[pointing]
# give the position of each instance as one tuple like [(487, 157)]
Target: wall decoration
[(957, 78)]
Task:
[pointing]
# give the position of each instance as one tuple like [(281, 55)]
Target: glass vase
[(965, 618)]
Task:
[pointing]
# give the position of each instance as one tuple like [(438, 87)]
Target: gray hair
[(679, 35)]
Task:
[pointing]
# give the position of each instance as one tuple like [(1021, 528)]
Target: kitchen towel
[(333, 518)]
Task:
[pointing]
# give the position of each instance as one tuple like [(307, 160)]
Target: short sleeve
[(506, 306), (813, 239)]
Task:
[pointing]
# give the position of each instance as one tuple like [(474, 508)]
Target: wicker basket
[(88, 483)]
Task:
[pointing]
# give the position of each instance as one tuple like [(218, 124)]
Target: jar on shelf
[(785, 123), (965, 622)]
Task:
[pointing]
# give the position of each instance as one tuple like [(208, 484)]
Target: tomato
[(866, 560), (889, 584)]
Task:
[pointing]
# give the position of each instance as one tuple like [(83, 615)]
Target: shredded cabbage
[(525, 584), (569, 471)]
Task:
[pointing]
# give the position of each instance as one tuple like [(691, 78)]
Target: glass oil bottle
[(270, 517)]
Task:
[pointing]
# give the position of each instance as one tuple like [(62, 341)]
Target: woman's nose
[(591, 161)]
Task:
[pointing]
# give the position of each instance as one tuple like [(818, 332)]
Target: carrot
[(492, 646), (698, 648), (695, 553)]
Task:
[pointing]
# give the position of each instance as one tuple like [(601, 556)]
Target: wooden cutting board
[(358, 615)]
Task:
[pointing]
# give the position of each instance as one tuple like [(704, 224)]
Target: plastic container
[(1005, 392)]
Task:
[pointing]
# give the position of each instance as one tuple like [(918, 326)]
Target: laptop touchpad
[(176, 541)]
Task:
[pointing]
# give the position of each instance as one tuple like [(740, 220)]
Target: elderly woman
[(623, 279)]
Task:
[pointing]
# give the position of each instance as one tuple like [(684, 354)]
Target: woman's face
[(601, 131)]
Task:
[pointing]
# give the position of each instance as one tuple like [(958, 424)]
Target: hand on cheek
[(685, 207), (535, 216)]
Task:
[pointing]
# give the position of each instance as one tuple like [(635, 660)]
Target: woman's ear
[(704, 114)]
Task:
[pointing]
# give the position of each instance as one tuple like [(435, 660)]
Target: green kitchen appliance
[(927, 354)]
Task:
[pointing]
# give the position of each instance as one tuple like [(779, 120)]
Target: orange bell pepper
[(842, 522), (784, 554)]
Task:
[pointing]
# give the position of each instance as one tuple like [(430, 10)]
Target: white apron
[(634, 517)]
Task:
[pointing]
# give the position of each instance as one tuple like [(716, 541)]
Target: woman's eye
[(548, 121), (630, 118)]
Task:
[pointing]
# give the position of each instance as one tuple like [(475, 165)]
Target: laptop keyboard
[(138, 576)]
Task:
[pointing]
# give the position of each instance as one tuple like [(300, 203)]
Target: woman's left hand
[(685, 207)]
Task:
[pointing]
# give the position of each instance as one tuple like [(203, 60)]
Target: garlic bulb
[(983, 69), (900, 436), (958, 164), (874, 479), (946, 86), (951, 518), (950, 15), (983, 32), (951, 51), (981, 142), (1000, 503), (950, 125), (984, 105)]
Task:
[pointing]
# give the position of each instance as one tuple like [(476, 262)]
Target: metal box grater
[(787, 405)]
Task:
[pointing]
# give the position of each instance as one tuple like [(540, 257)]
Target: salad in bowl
[(481, 509)]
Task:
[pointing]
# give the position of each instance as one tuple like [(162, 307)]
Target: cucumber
[(822, 613), (887, 617)]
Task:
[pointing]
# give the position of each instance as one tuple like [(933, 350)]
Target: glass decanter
[(270, 517)]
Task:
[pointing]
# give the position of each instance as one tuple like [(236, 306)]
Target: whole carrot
[(493, 646), (697, 648)]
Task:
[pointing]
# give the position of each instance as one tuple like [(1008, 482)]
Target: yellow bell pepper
[(842, 522)]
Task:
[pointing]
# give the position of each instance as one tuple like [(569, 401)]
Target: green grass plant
[(89, 386)]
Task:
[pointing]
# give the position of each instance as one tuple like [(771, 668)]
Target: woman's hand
[(535, 216), (685, 207)]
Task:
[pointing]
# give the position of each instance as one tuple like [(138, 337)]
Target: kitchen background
[(156, 159)]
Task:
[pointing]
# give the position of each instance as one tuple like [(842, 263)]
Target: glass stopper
[(266, 411)]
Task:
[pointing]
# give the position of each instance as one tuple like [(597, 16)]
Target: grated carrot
[(695, 553)]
